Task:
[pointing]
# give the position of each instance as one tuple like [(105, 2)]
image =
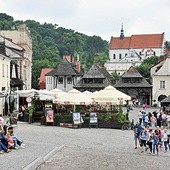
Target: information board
[(93, 118), (76, 118)]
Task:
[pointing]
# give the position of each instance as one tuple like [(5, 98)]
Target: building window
[(120, 56), (162, 84), (3, 74), (154, 53), (114, 56), (60, 80), (69, 80)]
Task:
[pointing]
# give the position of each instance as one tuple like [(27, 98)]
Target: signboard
[(28, 99), (76, 118), (49, 114), (93, 118)]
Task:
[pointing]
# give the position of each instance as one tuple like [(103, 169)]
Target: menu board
[(93, 118), (76, 118)]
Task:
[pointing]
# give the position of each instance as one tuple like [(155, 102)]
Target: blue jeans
[(3, 147), (165, 145)]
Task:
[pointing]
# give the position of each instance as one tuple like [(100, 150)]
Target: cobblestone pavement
[(84, 149)]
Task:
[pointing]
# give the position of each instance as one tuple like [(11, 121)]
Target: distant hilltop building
[(127, 51)]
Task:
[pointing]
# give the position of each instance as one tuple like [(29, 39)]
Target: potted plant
[(31, 112)]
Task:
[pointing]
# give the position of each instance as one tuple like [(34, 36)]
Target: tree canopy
[(51, 42)]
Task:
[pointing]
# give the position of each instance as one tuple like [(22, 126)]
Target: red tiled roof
[(137, 41), (117, 43), (44, 71)]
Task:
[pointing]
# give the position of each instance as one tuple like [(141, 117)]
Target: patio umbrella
[(55, 91), (88, 93), (74, 97), (110, 95), (26, 93)]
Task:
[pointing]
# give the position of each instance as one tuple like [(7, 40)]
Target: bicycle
[(126, 126)]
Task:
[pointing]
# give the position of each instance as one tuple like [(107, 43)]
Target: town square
[(84, 85)]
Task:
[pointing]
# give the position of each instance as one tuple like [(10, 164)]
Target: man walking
[(137, 129)]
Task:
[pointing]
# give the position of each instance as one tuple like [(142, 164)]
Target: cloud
[(95, 17)]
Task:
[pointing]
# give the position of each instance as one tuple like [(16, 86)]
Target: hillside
[(51, 42)]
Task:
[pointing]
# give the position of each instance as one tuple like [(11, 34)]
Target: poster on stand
[(93, 118), (49, 114), (76, 118)]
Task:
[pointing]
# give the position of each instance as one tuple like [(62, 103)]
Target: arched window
[(120, 56), (114, 56)]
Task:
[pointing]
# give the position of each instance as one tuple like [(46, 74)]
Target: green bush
[(104, 117), (122, 118)]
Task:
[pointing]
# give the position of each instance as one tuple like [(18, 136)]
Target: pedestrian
[(143, 137), (137, 129), (153, 121), (155, 143), (150, 140), (165, 139), (140, 117), (1, 120)]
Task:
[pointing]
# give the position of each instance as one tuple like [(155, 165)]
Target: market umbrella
[(88, 93), (55, 91), (74, 97), (112, 96), (26, 93)]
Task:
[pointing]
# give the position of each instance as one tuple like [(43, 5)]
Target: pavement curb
[(40, 160)]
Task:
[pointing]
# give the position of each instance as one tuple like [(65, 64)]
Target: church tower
[(122, 33)]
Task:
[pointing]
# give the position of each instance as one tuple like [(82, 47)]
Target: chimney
[(78, 65), (68, 58)]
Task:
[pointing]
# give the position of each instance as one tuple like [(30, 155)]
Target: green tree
[(147, 64), (100, 58)]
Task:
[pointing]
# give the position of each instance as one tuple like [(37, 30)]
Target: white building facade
[(22, 37), (161, 79), (4, 80), (127, 51)]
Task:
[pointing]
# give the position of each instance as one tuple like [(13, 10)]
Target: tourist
[(140, 117), (143, 137), (153, 121), (150, 140), (137, 129), (165, 139), (2, 136), (17, 142), (3, 148), (1, 120), (155, 143)]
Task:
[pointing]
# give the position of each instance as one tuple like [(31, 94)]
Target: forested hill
[(51, 42)]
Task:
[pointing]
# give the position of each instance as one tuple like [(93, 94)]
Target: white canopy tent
[(110, 95)]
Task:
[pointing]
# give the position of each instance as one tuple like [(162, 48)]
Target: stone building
[(22, 37)]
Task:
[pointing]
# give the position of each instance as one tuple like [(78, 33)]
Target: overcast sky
[(96, 17)]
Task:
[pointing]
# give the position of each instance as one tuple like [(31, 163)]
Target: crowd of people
[(151, 132), (8, 140)]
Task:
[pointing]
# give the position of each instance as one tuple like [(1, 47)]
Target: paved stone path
[(104, 149)]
